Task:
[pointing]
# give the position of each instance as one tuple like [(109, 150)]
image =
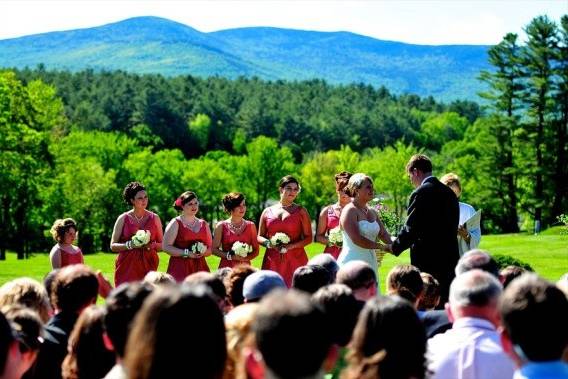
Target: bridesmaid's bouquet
[(279, 239), (335, 237), (241, 249), (198, 248), (141, 238)]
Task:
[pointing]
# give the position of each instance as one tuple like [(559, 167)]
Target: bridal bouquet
[(390, 219), (380, 255), (141, 238), (198, 248), (335, 237), (241, 249), (279, 239)]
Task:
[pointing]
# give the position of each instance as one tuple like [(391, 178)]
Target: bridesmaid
[(329, 216), (293, 220), (234, 229), (64, 253), (132, 264), (183, 232)]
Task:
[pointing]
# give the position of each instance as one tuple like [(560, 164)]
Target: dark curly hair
[(341, 180), (232, 200), (287, 180), (131, 190)]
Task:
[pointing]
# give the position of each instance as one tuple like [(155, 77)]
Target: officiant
[(469, 229)]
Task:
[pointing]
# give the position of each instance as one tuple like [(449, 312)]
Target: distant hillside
[(157, 45)]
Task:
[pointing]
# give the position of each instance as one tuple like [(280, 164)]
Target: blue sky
[(418, 21)]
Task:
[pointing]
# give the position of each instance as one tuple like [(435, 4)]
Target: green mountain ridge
[(157, 45)]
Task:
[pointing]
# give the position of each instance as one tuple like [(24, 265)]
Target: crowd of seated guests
[(241, 322)]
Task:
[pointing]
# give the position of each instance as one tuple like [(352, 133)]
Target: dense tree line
[(71, 141)]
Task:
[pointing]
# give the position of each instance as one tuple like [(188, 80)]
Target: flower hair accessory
[(178, 202)]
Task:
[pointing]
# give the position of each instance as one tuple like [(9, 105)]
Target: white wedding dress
[(352, 252)]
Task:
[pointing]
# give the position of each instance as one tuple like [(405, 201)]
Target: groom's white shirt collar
[(426, 178)]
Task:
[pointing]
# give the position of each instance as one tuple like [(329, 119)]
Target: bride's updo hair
[(356, 182)]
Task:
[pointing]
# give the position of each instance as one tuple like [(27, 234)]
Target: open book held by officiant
[(473, 227)]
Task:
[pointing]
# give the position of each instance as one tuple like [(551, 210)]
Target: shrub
[(506, 260)]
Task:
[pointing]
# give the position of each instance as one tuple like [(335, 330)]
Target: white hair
[(474, 288)]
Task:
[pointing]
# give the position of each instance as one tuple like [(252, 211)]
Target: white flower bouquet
[(279, 239), (335, 237), (241, 249), (141, 238), (198, 248)]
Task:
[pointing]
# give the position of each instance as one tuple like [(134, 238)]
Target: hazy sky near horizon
[(416, 21)]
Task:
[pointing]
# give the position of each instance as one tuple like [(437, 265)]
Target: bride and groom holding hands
[(430, 230)]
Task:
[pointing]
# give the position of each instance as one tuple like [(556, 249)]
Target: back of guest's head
[(341, 309), (406, 282), (74, 287), (208, 280), (223, 273), (121, 307), (238, 323), (234, 283), (475, 288), (178, 329), (562, 283), (261, 283), (48, 283), (509, 273), (26, 292), (87, 355), (356, 275), (327, 261), (389, 341), (310, 278), (26, 325), (420, 162), (157, 278), (430, 294), (291, 334), (477, 259), (6, 341), (60, 227), (534, 314)]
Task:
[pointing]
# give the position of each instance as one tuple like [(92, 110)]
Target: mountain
[(157, 45)]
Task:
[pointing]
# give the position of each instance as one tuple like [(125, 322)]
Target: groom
[(430, 229)]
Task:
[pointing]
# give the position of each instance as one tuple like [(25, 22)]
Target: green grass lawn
[(547, 253)]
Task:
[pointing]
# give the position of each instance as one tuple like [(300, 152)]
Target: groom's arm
[(407, 236)]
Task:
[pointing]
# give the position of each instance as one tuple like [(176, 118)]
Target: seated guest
[(178, 332), (260, 283), (471, 349), (27, 329), (534, 314), (405, 281), (509, 273), (360, 277), (327, 261), (238, 323), (435, 321), (28, 293), (282, 318), (477, 259), (310, 278), (122, 305), (234, 284), (88, 357), (212, 282), (74, 288), (157, 278), (223, 273), (388, 341)]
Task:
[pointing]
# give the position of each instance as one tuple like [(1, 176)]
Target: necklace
[(237, 229), (289, 206), (364, 210), (138, 219), (189, 225)]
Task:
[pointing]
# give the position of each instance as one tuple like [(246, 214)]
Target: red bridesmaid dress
[(285, 264), (228, 238), (180, 267), (68, 258), (332, 222), (133, 265)]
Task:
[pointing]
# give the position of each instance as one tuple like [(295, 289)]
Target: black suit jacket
[(431, 232)]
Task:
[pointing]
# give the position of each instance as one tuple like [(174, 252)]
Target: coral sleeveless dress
[(284, 264), (228, 238), (180, 267), (68, 258), (332, 222), (133, 265)]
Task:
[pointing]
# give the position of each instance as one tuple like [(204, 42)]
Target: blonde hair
[(451, 179), (238, 325), (28, 293), (60, 226), (355, 183), (156, 278)]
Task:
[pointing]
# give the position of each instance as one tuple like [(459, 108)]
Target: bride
[(361, 225)]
